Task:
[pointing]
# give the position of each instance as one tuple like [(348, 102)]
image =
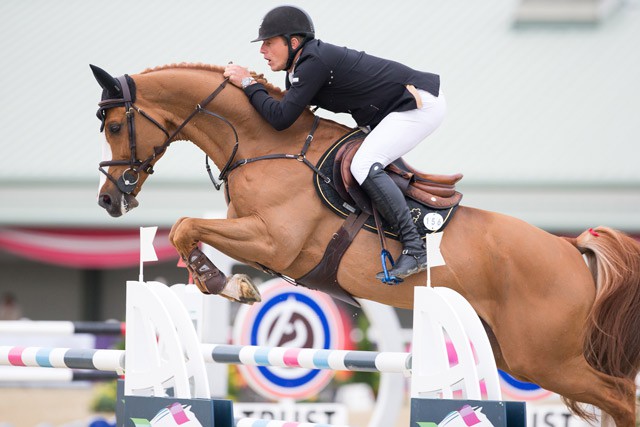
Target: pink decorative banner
[(83, 248)]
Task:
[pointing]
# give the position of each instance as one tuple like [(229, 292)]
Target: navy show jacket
[(342, 80)]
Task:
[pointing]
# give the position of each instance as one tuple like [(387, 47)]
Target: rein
[(302, 157)]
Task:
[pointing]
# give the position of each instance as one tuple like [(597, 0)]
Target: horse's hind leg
[(577, 381)]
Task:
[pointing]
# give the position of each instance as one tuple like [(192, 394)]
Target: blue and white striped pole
[(309, 358)]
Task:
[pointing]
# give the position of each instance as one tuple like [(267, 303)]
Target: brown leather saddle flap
[(338, 181), (436, 191)]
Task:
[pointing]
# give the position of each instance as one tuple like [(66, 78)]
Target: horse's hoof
[(240, 288)]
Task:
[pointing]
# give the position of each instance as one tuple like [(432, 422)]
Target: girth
[(324, 277)]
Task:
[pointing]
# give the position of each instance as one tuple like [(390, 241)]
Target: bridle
[(130, 177)]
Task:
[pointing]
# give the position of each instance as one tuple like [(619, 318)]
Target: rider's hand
[(236, 73)]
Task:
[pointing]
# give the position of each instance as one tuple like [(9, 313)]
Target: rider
[(399, 107)]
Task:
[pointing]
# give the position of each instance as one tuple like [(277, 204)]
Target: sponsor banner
[(317, 413), (465, 413), (144, 411), (540, 415)]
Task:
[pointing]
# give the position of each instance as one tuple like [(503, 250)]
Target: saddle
[(427, 194), (435, 191)]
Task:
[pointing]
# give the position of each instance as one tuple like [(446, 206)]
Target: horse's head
[(136, 139), (134, 142)]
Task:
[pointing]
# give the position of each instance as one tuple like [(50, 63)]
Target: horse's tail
[(611, 339)]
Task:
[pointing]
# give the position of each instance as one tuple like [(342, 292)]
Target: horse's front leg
[(238, 238)]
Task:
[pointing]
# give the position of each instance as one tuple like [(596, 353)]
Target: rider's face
[(276, 52)]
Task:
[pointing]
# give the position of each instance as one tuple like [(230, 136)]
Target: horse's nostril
[(106, 200)]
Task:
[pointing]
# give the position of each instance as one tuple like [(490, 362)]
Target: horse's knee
[(179, 236), (174, 229), (620, 408), (580, 383)]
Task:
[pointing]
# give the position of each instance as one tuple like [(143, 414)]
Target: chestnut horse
[(552, 320)]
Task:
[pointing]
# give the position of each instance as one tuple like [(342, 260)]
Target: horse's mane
[(215, 68)]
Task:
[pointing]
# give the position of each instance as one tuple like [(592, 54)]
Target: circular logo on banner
[(294, 317), (521, 390)]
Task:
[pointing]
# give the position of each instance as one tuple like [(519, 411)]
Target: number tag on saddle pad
[(433, 221)]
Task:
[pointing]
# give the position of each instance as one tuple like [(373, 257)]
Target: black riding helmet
[(287, 21)]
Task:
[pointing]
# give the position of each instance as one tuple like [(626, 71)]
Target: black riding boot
[(389, 201)]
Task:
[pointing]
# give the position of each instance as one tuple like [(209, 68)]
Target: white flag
[(434, 256), (147, 252)]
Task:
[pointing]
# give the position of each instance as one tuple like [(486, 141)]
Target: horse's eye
[(114, 127)]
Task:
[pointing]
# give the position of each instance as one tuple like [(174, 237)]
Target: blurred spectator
[(9, 307)]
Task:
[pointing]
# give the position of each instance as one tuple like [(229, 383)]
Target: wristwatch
[(246, 81)]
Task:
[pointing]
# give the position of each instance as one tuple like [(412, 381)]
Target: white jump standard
[(163, 356)]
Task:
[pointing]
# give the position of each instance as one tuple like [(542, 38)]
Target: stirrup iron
[(387, 279)]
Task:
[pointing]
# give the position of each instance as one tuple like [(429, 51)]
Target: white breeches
[(398, 133)]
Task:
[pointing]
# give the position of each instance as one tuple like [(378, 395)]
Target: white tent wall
[(542, 121)]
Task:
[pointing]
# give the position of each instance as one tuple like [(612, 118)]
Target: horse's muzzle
[(117, 205)]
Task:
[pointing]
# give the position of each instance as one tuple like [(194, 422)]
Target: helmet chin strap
[(293, 52)]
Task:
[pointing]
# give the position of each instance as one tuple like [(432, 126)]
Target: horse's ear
[(106, 81)]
